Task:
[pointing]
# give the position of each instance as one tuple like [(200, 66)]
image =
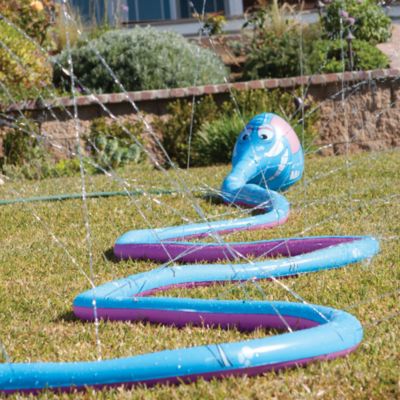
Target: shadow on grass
[(67, 316), (216, 199), (213, 198), (110, 256)]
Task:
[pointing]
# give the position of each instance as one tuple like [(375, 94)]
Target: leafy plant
[(61, 27), (26, 154), (366, 20), (271, 18), (111, 146), (141, 58), (41, 169), (213, 23), (67, 167), (22, 143), (334, 56), (278, 45), (213, 143), (279, 56), (34, 17), (175, 129), (273, 56), (25, 70)]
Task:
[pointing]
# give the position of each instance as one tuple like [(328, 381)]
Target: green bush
[(275, 57), (269, 55), (329, 56), (281, 47), (41, 169), (25, 70), (213, 143), (111, 146), (67, 167), (27, 156), (370, 22), (175, 129), (278, 44), (23, 143), (141, 58), (34, 17), (26, 151), (216, 127)]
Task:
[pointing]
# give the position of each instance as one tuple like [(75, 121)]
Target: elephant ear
[(287, 131)]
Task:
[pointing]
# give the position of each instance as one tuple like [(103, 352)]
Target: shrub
[(41, 169), (276, 19), (142, 58), (332, 54), (24, 151), (21, 143), (278, 46), (273, 57), (216, 127), (213, 143), (62, 28), (25, 70), (34, 17), (111, 146), (364, 18), (66, 167), (26, 155), (175, 129)]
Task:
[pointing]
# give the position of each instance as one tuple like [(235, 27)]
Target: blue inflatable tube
[(314, 332)]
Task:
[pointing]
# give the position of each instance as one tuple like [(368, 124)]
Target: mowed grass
[(339, 196)]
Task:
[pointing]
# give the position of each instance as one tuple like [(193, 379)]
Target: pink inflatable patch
[(287, 131)]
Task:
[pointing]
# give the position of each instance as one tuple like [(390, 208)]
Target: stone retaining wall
[(358, 110)]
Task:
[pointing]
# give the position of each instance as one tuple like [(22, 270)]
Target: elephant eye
[(265, 133), (245, 134)]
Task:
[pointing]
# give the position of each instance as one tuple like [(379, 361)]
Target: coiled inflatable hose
[(316, 332)]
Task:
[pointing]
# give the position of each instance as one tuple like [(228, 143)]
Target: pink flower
[(343, 14), (351, 20)]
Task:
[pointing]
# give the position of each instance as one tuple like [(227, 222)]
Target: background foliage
[(141, 58), (24, 68), (333, 56), (111, 146), (27, 156), (279, 46), (370, 21), (34, 17)]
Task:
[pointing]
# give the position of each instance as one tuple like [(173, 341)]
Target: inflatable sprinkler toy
[(267, 157)]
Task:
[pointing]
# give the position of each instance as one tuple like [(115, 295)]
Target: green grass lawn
[(39, 280)]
